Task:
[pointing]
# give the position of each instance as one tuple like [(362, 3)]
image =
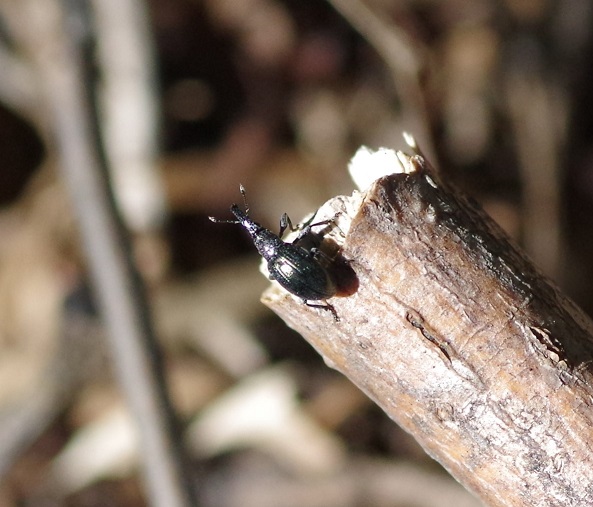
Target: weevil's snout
[(238, 212)]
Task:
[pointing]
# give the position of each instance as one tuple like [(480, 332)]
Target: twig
[(62, 33), (538, 113), (462, 342), (129, 103), (18, 89)]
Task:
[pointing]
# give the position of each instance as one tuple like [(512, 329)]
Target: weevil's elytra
[(295, 268)]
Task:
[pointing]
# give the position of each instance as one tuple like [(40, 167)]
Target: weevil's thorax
[(267, 243)]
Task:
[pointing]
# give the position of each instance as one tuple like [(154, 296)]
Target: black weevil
[(295, 268)]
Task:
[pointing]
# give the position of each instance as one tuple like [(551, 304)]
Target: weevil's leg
[(316, 253), (332, 220), (307, 223), (307, 226), (304, 228), (326, 306), (285, 222)]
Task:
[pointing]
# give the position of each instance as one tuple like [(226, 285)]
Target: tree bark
[(452, 331)]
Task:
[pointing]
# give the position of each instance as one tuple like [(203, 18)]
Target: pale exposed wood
[(460, 340)]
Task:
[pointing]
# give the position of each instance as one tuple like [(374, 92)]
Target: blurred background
[(185, 99)]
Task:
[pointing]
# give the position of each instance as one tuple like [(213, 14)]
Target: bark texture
[(453, 332)]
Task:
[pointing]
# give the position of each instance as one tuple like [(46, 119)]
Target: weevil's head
[(240, 215), (244, 219)]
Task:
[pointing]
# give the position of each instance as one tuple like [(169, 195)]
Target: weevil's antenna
[(243, 193), (221, 221)]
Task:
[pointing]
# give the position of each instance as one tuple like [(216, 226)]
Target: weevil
[(295, 268)]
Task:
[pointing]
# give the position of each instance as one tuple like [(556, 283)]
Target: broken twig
[(453, 332)]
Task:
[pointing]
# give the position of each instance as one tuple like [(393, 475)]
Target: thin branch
[(538, 115), (18, 89), (461, 341), (129, 109), (61, 31)]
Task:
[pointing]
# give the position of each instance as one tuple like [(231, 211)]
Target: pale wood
[(454, 333)]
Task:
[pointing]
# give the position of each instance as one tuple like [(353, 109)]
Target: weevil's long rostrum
[(295, 268)]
